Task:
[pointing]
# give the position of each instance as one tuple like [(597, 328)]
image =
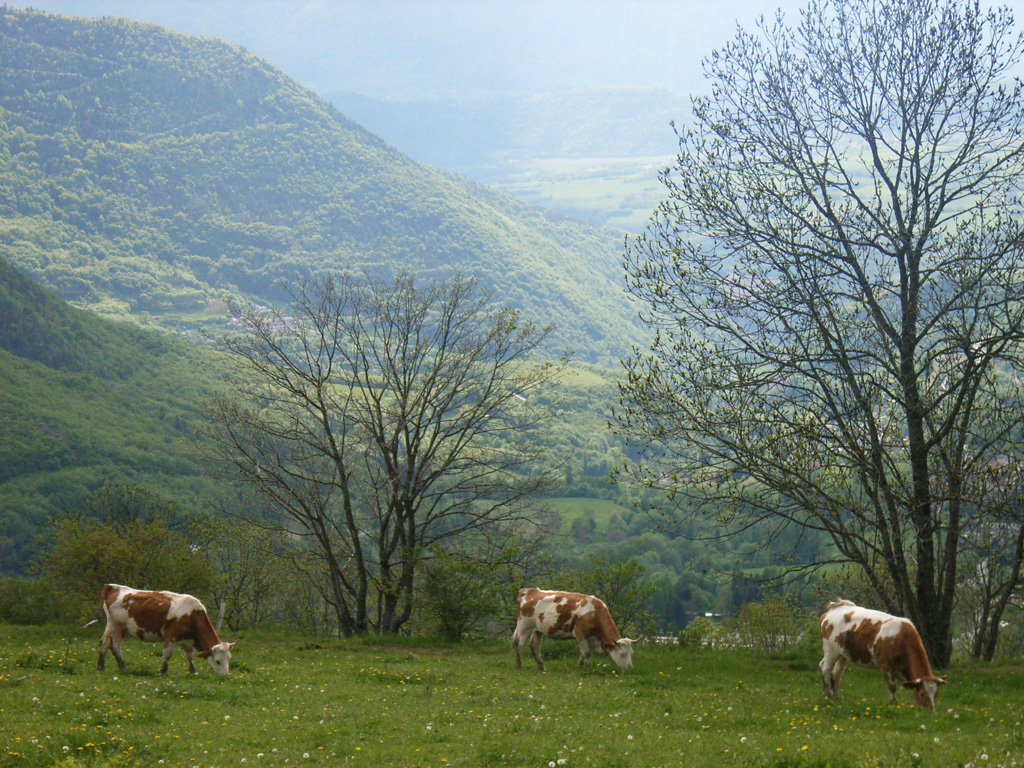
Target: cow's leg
[(111, 641), (188, 655), (519, 640), (891, 683), (584, 652), (831, 667), (104, 647), (535, 640), (168, 650), (115, 648), (837, 675)]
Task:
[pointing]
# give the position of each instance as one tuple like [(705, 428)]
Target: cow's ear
[(911, 683), (942, 679)]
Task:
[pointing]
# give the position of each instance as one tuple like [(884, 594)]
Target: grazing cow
[(874, 639), (565, 615), (175, 619)]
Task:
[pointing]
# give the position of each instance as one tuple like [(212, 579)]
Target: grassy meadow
[(304, 702), (608, 192), (600, 510)]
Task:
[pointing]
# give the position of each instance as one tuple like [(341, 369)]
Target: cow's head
[(220, 657), (926, 690), (622, 652)]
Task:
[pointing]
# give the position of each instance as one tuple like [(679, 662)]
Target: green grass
[(572, 507), (299, 702)]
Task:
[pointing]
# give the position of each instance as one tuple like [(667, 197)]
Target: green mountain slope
[(85, 402), (148, 173)]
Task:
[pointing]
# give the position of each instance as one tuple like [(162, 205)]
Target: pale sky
[(402, 48)]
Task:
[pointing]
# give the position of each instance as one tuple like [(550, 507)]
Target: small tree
[(771, 625), (470, 588), (991, 554), (379, 419), (459, 592), (700, 633), (250, 563)]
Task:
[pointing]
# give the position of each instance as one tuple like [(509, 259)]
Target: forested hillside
[(151, 174), (86, 402)]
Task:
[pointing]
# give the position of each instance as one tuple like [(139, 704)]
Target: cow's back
[(145, 613), (555, 614), (858, 633)]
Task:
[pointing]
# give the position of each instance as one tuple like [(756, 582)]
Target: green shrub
[(699, 633), (774, 625), (27, 601), (460, 592)]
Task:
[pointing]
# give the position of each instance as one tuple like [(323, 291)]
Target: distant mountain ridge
[(144, 173)]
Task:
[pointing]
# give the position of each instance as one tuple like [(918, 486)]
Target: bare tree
[(381, 418), (836, 282)]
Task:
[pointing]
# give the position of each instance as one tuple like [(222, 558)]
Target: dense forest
[(147, 173)]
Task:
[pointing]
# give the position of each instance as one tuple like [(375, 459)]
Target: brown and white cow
[(563, 615), (874, 639), (151, 616)]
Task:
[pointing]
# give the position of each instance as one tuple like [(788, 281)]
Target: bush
[(121, 535), (460, 592), (702, 632), (771, 626), (27, 601)]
